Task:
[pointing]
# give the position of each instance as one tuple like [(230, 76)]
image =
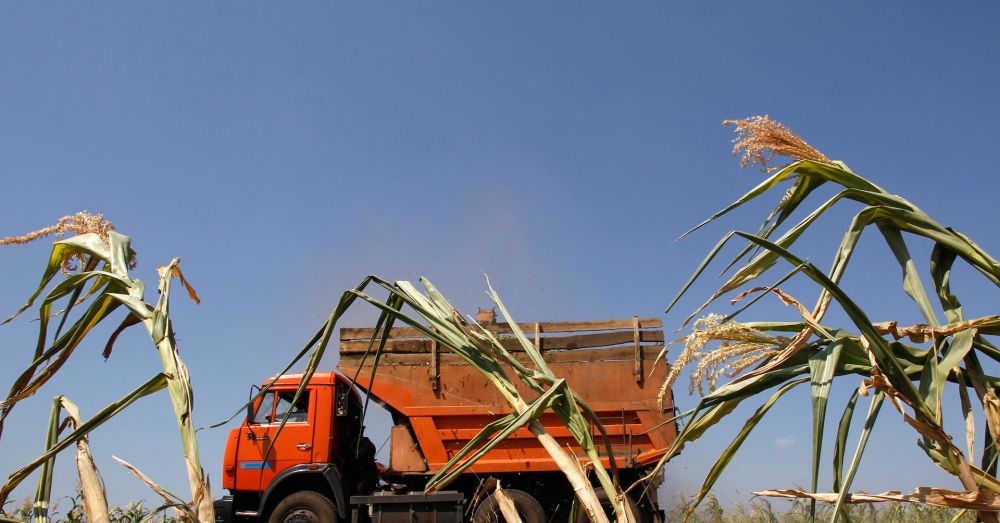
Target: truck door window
[(298, 413), (263, 414)]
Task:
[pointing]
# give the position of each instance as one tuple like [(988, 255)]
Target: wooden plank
[(601, 339), (556, 431), (407, 346), (404, 455), (435, 366), (588, 326), (636, 338), (621, 353), (549, 343), (365, 333)]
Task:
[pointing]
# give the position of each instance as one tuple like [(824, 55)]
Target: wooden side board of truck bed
[(441, 402)]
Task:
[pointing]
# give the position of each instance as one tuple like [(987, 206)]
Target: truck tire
[(528, 508), (305, 506)]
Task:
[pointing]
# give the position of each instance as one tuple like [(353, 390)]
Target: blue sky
[(283, 151)]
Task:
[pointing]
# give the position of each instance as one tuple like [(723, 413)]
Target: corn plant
[(55, 445), (435, 317), (906, 366), (96, 263), (94, 501)]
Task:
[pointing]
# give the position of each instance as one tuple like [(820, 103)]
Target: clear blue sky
[(286, 150)]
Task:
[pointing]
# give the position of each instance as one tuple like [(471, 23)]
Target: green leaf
[(727, 455), (873, 410), (803, 169), (841, 444), (822, 366), (912, 285), (31, 379), (43, 492), (156, 383), (942, 260), (697, 272), (763, 262), (61, 250), (800, 189), (98, 282), (960, 346), (880, 348), (385, 321)]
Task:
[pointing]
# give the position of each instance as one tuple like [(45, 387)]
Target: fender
[(327, 470)]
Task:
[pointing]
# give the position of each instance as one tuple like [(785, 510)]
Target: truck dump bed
[(439, 402)]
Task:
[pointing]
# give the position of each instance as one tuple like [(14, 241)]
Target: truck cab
[(308, 471)]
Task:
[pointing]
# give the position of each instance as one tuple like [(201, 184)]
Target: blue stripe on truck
[(255, 465)]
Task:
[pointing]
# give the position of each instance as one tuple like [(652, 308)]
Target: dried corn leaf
[(506, 505)]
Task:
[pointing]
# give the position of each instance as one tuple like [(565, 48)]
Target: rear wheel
[(528, 508), (305, 506)]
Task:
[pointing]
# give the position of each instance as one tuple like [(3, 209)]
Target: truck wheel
[(528, 508), (305, 506)]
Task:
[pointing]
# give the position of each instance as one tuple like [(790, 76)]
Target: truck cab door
[(293, 446)]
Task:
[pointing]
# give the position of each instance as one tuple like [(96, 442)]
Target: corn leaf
[(40, 509), (822, 366), (155, 384), (95, 503), (852, 469), (170, 499), (843, 428), (727, 455)]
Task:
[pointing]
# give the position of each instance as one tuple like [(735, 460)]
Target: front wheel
[(306, 506)]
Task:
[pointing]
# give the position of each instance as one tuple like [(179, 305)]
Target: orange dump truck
[(322, 468)]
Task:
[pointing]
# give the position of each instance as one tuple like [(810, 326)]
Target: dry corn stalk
[(506, 505), (184, 512), (95, 503), (179, 387), (92, 490)]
